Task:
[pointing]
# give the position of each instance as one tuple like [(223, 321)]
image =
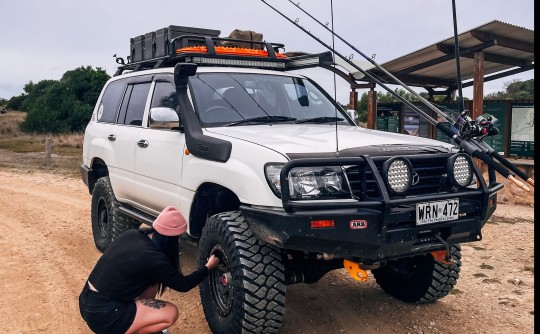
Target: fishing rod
[(484, 122), (464, 144), (481, 127)]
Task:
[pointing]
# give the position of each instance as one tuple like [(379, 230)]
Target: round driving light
[(460, 170), (397, 173)]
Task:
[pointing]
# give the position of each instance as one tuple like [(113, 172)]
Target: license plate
[(439, 211)]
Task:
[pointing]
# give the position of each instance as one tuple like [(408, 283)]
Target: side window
[(164, 96), (135, 104), (110, 101), (163, 100)]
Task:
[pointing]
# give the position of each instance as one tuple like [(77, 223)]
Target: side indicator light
[(186, 152), (322, 224)]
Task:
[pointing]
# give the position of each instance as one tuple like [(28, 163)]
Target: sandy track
[(48, 251)]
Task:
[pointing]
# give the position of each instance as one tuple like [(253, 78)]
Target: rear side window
[(110, 102), (134, 104)]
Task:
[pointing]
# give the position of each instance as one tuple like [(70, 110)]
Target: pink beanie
[(170, 222)]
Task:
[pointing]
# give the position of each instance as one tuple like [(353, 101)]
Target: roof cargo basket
[(169, 46)]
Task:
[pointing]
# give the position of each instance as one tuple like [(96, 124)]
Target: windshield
[(240, 99)]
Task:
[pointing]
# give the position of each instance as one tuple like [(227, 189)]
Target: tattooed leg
[(153, 303)]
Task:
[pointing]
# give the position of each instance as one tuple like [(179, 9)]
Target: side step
[(143, 217), (147, 219)]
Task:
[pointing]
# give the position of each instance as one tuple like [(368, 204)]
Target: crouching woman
[(120, 293)]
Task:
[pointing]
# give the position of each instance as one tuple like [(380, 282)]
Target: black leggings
[(105, 315)]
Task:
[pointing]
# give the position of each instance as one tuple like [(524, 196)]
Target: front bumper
[(371, 231)]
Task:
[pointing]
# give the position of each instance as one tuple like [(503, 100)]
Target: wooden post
[(372, 109), (478, 85), (48, 144), (353, 99)]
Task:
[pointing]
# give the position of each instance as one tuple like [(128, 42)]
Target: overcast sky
[(44, 39)]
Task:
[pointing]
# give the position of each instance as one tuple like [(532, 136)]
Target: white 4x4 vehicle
[(246, 150)]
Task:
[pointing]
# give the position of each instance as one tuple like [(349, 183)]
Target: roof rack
[(205, 50)]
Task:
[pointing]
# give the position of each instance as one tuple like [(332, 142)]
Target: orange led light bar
[(226, 50)]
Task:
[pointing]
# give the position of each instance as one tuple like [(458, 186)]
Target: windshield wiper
[(323, 119), (264, 119)]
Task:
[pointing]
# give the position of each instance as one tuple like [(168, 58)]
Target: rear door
[(124, 134)]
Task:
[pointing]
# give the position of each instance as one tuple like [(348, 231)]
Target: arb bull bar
[(375, 229)]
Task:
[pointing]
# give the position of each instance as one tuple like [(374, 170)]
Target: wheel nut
[(226, 278)]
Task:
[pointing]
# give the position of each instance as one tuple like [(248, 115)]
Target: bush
[(65, 105)]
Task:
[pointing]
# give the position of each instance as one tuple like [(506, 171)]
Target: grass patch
[(27, 150), (480, 275), (529, 268), (491, 280), (486, 266)]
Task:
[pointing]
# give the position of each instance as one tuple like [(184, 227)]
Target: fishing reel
[(482, 126)]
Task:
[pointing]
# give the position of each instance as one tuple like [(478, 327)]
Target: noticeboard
[(388, 117), (452, 111), (522, 130), (497, 110), (414, 124)]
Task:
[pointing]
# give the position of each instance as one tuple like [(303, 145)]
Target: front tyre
[(107, 220), (420, 279), (246, 292)]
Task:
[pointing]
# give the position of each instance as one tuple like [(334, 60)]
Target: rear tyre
[(246, 292), (420, 279), (107, 221)]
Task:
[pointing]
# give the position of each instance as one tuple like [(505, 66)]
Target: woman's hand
[(213, 261)]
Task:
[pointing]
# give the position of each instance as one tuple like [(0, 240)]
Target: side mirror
[(163, 118)]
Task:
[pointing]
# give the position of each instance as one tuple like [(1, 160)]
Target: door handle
[(111, 137), (143, 143)]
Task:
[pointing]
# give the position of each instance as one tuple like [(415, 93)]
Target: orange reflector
[(440, 256), (227, 50), (322, 224), (186, 151)]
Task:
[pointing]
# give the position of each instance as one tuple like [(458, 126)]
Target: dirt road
[(48, 251)]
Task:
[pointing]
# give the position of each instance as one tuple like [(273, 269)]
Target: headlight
[(311, 182), (397, 173), (460, 170)]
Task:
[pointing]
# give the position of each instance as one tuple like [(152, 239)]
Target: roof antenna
[(334, 64), (461, 103)]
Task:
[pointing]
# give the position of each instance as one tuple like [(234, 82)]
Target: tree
[(65, 105), (515, 89)]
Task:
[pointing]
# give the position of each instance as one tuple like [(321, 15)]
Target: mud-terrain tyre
[(107, 221), (246, 292), (420, 279)]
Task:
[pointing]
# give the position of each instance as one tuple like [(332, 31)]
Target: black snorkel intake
[(197, 143)]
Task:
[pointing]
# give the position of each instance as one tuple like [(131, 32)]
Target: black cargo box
[(166, 35), (137, 48), (157, 43)]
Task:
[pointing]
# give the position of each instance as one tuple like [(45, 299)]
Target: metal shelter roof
[(508, 49)]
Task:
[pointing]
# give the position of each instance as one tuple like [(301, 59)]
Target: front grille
[(431, 171)]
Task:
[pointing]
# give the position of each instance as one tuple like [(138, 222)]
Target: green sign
[(497, 110), (452, 111), (388, 117)]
